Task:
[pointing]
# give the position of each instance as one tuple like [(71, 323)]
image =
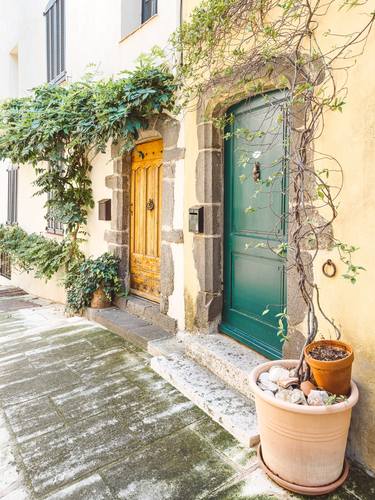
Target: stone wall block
[(209, 177), (213, 222), (173, 154), (296, 306), (117, 237), (169, 129), (207, 258), (116, 181), (173, 236), (169, 169), (120, 210), (167, 203), (209, 307), (166, 270), (209, 136), (122, 252)]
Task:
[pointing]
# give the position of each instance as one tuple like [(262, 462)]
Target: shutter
[(12, 195), (55, 38)]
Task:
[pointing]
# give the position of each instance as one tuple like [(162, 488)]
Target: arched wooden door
[(145, 227)]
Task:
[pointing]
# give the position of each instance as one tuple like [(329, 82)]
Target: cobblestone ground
[(82, 416)]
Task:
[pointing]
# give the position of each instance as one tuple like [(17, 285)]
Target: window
[(55, 29), (149, 9), (12, 194), (135, 13), (5, 265), (54, 225)]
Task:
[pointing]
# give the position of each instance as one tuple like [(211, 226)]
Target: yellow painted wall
[(350, 137)]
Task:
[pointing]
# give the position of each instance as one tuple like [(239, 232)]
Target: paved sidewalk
[(82, 416)]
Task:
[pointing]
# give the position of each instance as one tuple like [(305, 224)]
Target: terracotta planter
[(304, 446), (333, 376), (99, 300)]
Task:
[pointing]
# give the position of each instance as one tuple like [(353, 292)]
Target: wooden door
[(145, 204), (255, 224)]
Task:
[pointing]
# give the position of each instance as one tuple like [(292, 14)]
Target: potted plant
[(303, 434), (94, 284)]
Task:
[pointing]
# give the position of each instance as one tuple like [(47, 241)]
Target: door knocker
[(150, 205), (256, 172), (329, 269)]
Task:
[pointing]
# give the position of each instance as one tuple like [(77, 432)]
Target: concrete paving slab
[(83, 416)]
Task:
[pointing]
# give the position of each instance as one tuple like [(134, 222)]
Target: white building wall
[(93, 37)]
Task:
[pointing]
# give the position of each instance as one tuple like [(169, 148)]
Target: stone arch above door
[(118, 236)]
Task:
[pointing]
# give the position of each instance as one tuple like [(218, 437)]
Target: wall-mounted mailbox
[(104, 209), (196, 219)]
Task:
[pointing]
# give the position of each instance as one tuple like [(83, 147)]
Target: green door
[(255, 223)]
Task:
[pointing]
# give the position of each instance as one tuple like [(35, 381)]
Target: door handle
[(150, 205), (256, 172)]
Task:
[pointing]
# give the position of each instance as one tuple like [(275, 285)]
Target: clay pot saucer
[(311, 491)]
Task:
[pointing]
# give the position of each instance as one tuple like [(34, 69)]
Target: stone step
[(148, 311), (128, 326), (227, 407), (226, 358)]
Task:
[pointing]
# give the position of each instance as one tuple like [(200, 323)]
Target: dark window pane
[(5, 265), (55, 35), (149, 9), (12, 195)]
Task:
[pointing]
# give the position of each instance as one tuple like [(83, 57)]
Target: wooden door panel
[(254, 275), (145, 237)]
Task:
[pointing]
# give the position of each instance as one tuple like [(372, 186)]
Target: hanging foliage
[(59, 130)]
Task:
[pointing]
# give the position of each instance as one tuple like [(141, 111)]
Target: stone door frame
[(208, 247), (117, 237)]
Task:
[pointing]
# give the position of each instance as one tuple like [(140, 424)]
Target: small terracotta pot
[(99, 300), (302, 445), (333, 376)]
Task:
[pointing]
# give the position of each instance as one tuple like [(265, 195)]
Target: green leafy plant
[(91, 275), (59, 130), (34, 252)]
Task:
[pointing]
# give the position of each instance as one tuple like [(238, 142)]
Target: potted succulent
[(94, 284)]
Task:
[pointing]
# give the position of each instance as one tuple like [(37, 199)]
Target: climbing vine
[(60, 129), (233, 49), (33, 252)]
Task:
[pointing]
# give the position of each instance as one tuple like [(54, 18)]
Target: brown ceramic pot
[(303, 446), (333, 376), (99, 300)]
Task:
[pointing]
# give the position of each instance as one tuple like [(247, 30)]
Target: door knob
[(256, 172), (150, 205)]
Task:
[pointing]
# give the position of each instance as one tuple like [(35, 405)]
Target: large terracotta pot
[(303, 445), (333, 376), (99, 300)]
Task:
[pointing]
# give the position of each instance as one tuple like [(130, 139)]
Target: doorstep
[(229, 360), (224, 405), (132, 328), (146, 310)]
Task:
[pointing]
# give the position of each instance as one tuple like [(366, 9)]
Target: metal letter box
[(105, 209), (196, 221)]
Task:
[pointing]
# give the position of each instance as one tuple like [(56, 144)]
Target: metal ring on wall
[(329, 269)]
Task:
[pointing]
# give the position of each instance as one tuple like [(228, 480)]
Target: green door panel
[(255, 225)]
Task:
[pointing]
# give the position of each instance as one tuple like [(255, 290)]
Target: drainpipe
[(181, 14)]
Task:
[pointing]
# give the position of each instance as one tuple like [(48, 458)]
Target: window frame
[(55, 41), (54, 225), (153, 10), (12, 201)]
